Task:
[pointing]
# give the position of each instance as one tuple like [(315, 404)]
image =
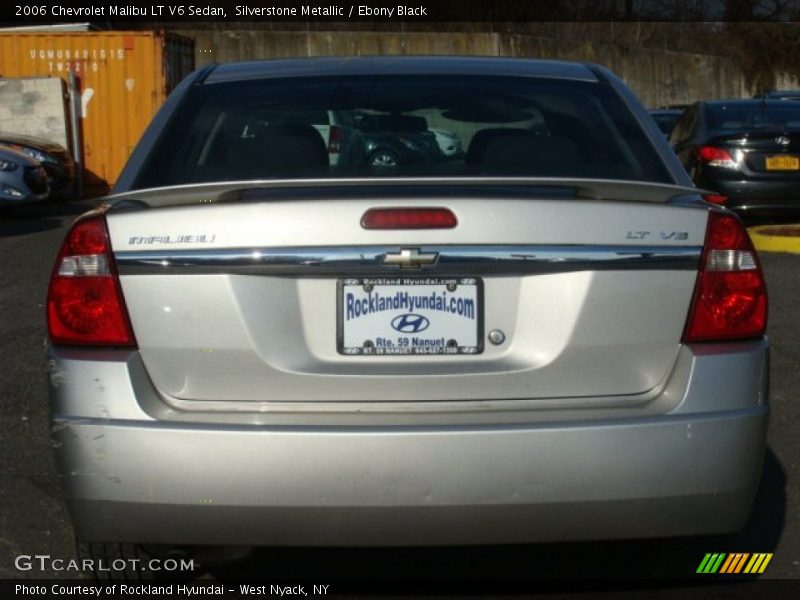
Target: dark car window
[(759, 115), (506, 126), (685, 126), (666, 121)]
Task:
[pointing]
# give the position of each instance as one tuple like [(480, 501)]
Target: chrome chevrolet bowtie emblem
[(409, 258)]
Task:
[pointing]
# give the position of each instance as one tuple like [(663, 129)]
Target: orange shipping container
[(124, 77)]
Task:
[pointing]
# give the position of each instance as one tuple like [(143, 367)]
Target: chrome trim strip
[(455, 260)]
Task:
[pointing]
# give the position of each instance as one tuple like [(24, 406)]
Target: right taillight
[(730, 297), (84, 302)]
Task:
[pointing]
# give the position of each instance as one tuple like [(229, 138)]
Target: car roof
[(782, 93), (747, 102), (399, 65)]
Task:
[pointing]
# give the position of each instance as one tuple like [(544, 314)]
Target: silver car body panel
[(208, 332), (136, 469)]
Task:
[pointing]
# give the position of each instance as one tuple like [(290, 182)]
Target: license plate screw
[(451, 287), (452, 344), (367, 287), (497, 337), (368, 344)]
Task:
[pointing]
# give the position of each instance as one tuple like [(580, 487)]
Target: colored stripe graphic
[(758, 563), (728, 562), (740, 565), (723, 563), (703, 564), (735, 563), (711, 562)]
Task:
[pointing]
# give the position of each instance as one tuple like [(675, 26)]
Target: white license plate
[(380, 316)]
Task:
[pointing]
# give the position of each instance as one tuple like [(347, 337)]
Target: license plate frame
[(389, 285), (782, 162)]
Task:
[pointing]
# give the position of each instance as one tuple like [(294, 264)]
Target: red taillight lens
[(334, 139), (409, 218), (730, 297), (709, 153), (84, 301), (716, 157)]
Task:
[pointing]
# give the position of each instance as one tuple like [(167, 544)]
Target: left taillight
[(85, 306), (716, 157)]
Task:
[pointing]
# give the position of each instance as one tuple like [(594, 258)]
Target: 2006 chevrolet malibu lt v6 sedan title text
[(549, 336)]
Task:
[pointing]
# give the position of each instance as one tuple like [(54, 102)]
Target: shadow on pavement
[(24, 220), (765, 525)]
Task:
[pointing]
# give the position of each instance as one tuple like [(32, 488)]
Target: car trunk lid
[(765, 154), (242, 301)]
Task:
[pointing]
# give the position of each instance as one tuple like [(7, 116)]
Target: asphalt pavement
[(33, 519)]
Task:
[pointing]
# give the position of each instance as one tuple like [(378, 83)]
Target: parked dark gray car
[(55, 159), (22, 179), (385, 141), (665, 118), (746, 151)]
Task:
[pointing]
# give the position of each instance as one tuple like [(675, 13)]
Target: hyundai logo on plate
[(410, 323)]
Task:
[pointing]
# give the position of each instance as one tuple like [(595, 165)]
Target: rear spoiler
[(384, 187)]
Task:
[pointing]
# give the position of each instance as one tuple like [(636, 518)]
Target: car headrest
[(523, 152), (278, 151), (393, 123), (480, 141)]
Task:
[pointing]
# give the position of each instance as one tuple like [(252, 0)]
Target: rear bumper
[(758, 197), (691, 471)]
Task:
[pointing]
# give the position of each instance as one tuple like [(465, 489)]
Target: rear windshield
[(399, 126), (782, 116)]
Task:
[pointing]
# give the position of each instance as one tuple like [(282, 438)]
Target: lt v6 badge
[(664, 235)]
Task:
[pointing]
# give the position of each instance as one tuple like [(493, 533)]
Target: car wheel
[(383, 159)]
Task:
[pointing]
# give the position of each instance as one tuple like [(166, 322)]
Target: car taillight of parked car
[(334, 140), (716, 157), (730, 296), (84, 302), (715, 198)]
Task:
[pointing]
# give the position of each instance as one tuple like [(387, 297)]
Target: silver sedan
[(550, 337)]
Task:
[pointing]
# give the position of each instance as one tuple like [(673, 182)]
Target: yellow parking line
[(774, 238)]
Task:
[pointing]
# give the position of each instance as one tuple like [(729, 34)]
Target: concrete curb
[(776, 238)]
